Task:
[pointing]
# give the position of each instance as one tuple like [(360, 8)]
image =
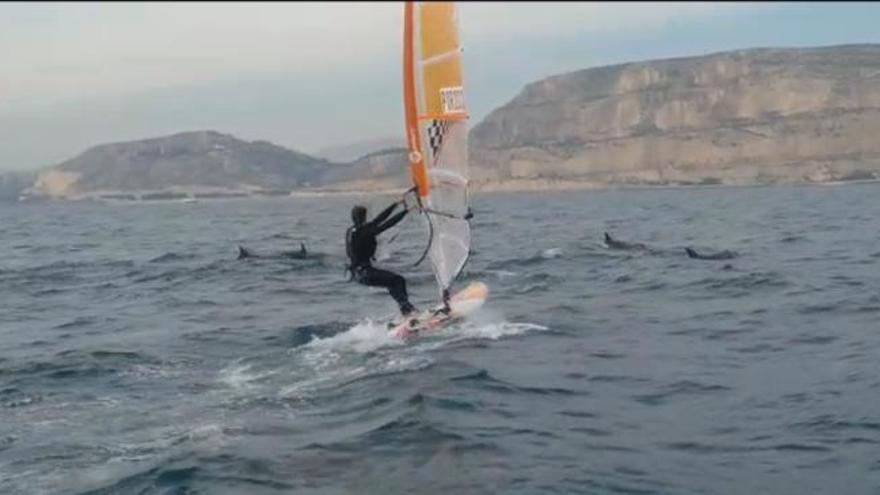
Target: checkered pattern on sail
[(436, 132)]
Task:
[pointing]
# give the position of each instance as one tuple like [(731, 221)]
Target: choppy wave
[(142, 357)]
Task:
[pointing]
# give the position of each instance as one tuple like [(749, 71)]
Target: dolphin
[(615, 244), (243, 253), (723, 255), (300, 255)]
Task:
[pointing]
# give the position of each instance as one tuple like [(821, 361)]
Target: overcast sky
[(309, 75)]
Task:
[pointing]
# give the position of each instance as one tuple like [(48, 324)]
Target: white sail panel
[(447, 204)]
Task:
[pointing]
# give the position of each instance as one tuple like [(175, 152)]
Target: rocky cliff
[(743, 117)]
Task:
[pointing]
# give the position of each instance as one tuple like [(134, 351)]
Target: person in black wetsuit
[(360, 245)]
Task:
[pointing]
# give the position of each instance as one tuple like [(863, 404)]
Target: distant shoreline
[(588, 186), (495, 187)]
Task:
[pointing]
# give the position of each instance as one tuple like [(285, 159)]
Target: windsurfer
[(360, 245)]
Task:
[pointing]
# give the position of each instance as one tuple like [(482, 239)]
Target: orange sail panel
[(436, 130)]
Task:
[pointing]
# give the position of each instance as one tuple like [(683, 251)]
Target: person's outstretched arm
[(382, 216), (392, 221)]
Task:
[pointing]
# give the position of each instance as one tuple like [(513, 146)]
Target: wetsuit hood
[(358, 215)]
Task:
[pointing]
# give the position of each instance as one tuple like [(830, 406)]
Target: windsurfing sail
[(436, 132)]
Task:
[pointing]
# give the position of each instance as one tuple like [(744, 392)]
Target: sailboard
[(436, 135)]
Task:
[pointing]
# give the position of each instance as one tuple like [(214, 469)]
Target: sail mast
[(413, 138)]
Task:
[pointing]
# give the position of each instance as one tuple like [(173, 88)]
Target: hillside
[(757, 116), (350, 152), (383, 169), (206, 162)]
